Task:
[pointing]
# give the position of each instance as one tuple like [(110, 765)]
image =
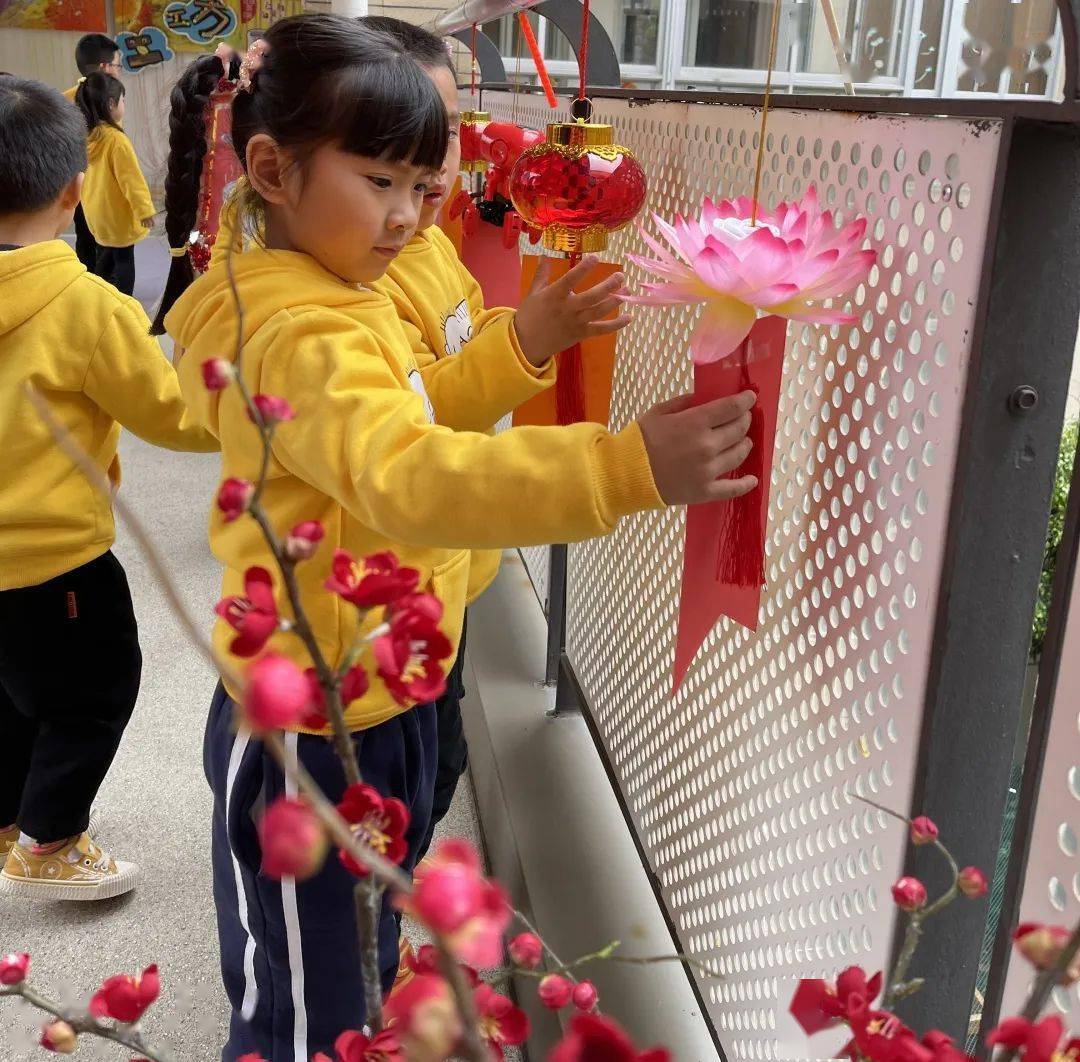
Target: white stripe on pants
[(251, 989), (292, 928)]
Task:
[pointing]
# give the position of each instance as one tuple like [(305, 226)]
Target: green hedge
[(1058, 503)]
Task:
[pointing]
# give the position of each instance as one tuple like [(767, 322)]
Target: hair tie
[(253, 61), (81, 81), (177, 252)]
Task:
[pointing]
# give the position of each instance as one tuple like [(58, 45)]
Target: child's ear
[(70, 193), (266, 168)]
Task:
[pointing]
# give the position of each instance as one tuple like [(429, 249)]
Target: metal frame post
[(1063, 588), (1017, 382)]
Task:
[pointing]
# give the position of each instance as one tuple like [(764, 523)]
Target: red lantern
[(472, 125), (503, 143), (578, 187)]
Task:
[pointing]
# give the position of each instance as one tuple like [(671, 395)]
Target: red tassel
[(570, 387), (740, 555)]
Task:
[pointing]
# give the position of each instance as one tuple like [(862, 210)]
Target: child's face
[(440, 189), (351, 213), (117, 110), (114, 66)]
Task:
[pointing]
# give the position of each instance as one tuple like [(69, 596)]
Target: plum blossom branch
[(897, 987), (129, 1036)]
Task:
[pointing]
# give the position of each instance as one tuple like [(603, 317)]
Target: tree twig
[(83, 1024), (913, 932)]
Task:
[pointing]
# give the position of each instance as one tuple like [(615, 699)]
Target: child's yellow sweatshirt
[(366, 456), (442, 309), (115, 198), (87, 350)]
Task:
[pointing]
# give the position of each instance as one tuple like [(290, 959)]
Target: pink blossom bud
[(1040, 944), (526, 950), (292, 839), (304, 540), (277, 695), (234, 496), (217, 374), (909, 894), (972, 882), (584, 995), (271, 409), (14, 967), (923, 830), (554, 991), (58, 1036)]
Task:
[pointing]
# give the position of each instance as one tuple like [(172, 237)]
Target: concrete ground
[(155, 799)]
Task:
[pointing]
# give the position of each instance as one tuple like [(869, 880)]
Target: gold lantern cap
[(475, 117), (580, 134)]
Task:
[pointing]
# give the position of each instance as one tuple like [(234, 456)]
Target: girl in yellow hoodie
[(341, 135), (115, 198)]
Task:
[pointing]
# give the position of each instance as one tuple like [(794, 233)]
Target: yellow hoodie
[(115, 198), (363, 456), (87, 349), (441, 308)]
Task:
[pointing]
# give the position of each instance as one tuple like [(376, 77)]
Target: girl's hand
[(690, 446), (553, 316), (147, 223)]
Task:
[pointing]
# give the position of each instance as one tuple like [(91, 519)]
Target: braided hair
[(189, 100)]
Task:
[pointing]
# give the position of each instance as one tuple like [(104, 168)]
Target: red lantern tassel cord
[(570, 381), (570, 387)]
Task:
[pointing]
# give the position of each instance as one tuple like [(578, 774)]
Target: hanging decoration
[(81, 15), (575, 189), (472, 125), (491, 149), (200, 25), (142, 49), (578, 187), (221, 170), (751, 270)]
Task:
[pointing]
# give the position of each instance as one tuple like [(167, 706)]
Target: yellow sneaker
[(78, 871), (9, 836)]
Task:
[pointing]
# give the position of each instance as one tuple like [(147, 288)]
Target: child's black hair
[(94, 95), (189, 100), (92, 51), (42, 145), (428, 49), (331, 79)]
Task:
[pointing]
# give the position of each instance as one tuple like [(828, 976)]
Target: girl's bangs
[(392, 111)]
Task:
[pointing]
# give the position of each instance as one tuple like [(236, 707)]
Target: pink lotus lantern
[(751, 275)]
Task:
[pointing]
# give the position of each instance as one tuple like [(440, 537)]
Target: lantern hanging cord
[(583, 55), (517, 79), (774, 35), (472, 63)]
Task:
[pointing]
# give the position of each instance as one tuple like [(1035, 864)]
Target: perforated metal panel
[(742, 785), (1051, 887)]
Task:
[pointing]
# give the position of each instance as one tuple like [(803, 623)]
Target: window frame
[(670, 71)]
